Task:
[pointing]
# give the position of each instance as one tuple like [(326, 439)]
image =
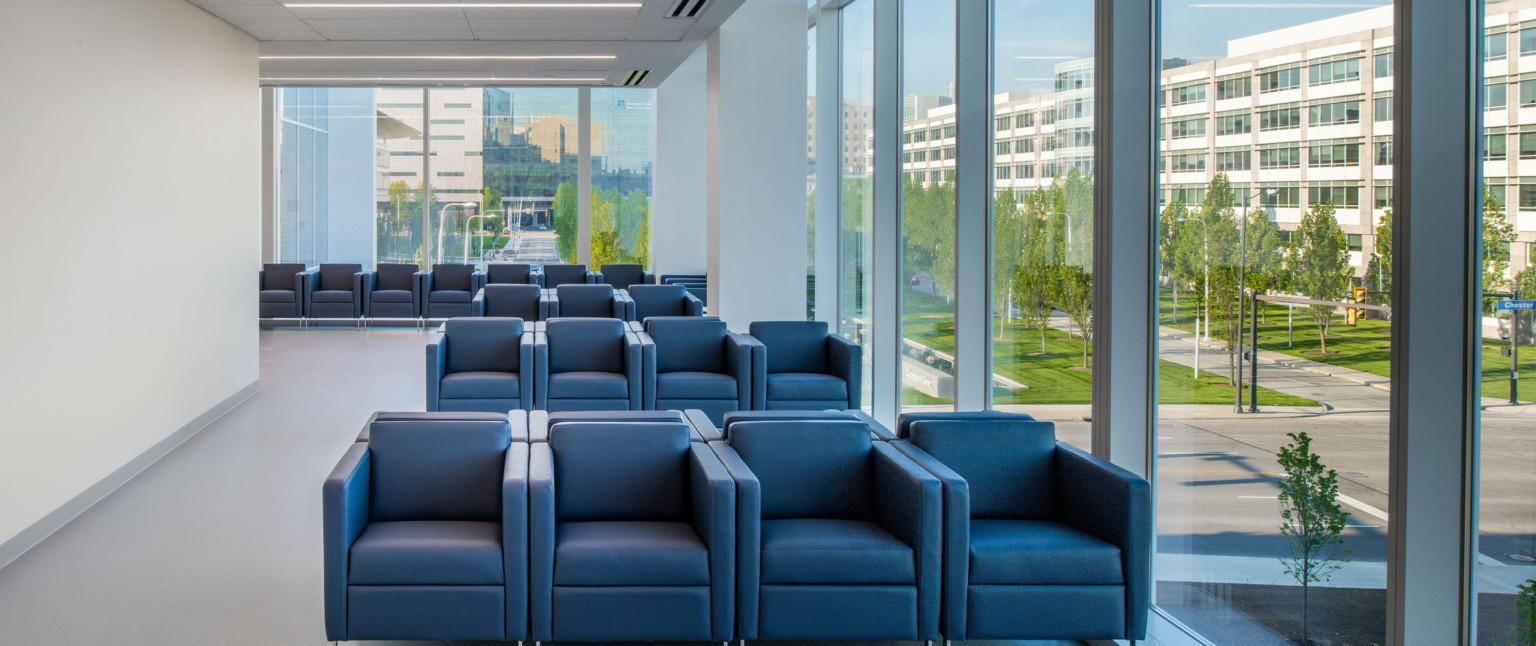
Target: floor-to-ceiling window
[(623, 152), (928, 204), (529, 160), (810, 171), (1271, 510), (857, 206)]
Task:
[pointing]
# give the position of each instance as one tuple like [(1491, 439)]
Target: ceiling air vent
[(687, 8), (636, 77)]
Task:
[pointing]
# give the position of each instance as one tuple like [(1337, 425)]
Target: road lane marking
[(1369, 510)]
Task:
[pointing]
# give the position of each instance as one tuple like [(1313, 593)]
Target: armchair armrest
[(749, 542), (526, 363), (547, 306), (514, 538), (648, 375), (647, 278), (477, 304), (476, 280), (360, 288), (437, 366), (909, 504), (420, 287), (619, 308), (541, 370), (693, 305), (759, 353), (635, 369), (714, 517), (304, 286), (738, 363), (957, 536), (1115, 506), (629, 307), (541, 540), (594, 278), (538, 425), (370, 283), (847, 363), (344, 503), (702, 424), (879, 430), (536, 277), (261, 280)]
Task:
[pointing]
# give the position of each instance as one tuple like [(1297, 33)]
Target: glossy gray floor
[(219, 542)]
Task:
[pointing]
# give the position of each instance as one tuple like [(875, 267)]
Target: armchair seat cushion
[(438, 552), (450, 296), (834, 552), (695, 385), (1039, 552), (331, 296), (624, 553), (277, 296), (588, 385), (391, 296), (805, 385), (480, 385)]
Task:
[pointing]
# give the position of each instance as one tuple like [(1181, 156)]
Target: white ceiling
[(334, 44)]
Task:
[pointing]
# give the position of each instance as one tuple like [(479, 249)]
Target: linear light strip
[(430, 79), (464, 5), (445, 57)]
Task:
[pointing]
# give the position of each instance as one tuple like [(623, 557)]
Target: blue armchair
[(631, 535), (283, 289), (526, 302), (731, 419), (395, 292), (838, 536), (448, 291), (540, 422), (517, 418), (509, 273), (480, 364), (625, 276), (802, 367), (425, 534), (1041, 540), (556, 275), (587, 364), (592, 301), (695, 362), (338, 293), (664, 300)]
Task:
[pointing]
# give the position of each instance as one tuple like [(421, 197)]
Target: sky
[(1033, 36)]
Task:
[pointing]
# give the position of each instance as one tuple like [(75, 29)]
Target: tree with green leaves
[(1311, 520), (1523, 631), (1171, 236), (1076, 294), (1319, 263), (1378, 273), (1218, 212), (564, 222), (1498, 233), (604, 233), (1265, 254), (1007, 249), (1036, 280)]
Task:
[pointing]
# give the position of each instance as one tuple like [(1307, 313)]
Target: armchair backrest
[(437, 469), (808, 468), (732, 418), (556, 275), (337, 276), (454, 277), (688, 343), (1008, 464), (585, 345), (281, 276), (621, 471), (622, 276), (521, 301), (585, 300), (658, 300), (396, 276), (906, 420), (483, 344), (793, 346), (510, 273)]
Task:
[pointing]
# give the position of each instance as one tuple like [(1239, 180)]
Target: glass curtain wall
[(623, 154), (810, 172), (1043, 211), (1506, 560), (529, 162), (1261, 177), (928, 204), (857, 236), (399, 191)]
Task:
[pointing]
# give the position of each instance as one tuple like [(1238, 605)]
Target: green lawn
[(1057, 377), (1364, 347)]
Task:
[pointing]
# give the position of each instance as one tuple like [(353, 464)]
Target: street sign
[(1516, 305)]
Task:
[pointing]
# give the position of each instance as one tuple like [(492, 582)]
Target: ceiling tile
[(455, 24), (657, 35), (552, 25), (422, 34), (285, 34), (393, 15), (550, 35), (552, 14)]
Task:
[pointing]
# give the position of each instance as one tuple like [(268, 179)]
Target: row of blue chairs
[(533, 303), (493, 364), (346, 291), (789, 526)]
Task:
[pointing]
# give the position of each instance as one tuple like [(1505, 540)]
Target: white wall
[(678, 241), (145, 113), (756, 164)]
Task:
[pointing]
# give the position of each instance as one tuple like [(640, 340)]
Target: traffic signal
[(1354, 314)]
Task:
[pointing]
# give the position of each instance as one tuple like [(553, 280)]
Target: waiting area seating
[(587, 364), (592, 301), (556, 275), (696, 363), (625, 276), (394, 292), (508, 273), (625, 526), (663, 300), (338, 292), (800, 365), (527, 302), (283, 289), (696, 284), (480, 364), (448, 290)]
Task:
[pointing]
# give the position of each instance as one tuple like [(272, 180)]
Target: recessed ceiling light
[(434, 57), (463, 5)]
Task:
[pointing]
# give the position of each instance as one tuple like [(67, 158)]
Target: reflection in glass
[(857, 203)]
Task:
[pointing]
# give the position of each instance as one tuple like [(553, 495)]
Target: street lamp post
[(1206, 232), (442, 215), (479, 244), (1242, 286)]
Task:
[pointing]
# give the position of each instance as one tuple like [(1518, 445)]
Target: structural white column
[(829, 164), (584, 176), (1436, 279), (1124, 258), (678, 240), (973, 205), (885, 343), (271, 126), (756, 159)]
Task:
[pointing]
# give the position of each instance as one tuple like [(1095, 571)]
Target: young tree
[(1223, 232), (1036, 279), (1497, 234), (604, 233), (1170, 238), (1320, 264), (1007, 249), (564, 222), (1077, 302), (1523, 631), (1266, 255), (1311, 519), (1378, 274)]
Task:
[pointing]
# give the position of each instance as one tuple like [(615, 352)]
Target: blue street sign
[(1516, 305)]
